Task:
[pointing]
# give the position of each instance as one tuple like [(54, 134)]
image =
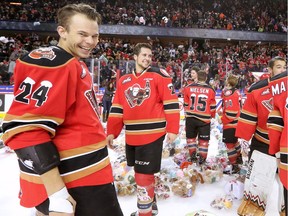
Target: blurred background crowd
[(113, 55)]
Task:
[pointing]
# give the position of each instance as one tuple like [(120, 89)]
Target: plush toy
[(181, 157), (235, 188), (183, 188), (211, 176), (162, 188), (129, 177), (222, 202), (123, 189), (119, 170), (165, 153), (195, 176)]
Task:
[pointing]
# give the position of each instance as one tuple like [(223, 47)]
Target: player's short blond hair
[(232, 80), (65, 13)]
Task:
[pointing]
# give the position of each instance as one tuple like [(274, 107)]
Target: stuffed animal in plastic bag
[(162, 186), (183, 188), (235, 188)]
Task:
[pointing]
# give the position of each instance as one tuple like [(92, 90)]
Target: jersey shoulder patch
[(161, 71), (228, 92), (47, 57), (258, 85)]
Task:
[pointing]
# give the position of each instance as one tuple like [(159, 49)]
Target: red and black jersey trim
[(248, 117), (116, 110), (17, 124), (262, 135), (230, 114), (284, 158), (213, 107), (204, 117), (233, 122), (276, 120), (74, 163), (171, 106), (148, 126)]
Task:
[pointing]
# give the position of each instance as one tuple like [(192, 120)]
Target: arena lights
[(15, 3)]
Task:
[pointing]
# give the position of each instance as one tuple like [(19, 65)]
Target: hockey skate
[(194, 157), (154, 208)]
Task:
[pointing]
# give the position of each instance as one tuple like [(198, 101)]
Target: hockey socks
[(203, 150), (145, 193), (232, 152), (192, 145)]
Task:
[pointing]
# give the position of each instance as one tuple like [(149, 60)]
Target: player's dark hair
[(109, 87), (273, 60), (138, 47), (202, 76), (195, 68), (65, 13)]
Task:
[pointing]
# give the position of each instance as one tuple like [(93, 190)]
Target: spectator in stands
[(248, 16), (107, 100)]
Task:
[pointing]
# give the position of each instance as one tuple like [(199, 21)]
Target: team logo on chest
[(135, 95)]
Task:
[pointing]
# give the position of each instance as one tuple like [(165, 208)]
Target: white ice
[(173, 206)]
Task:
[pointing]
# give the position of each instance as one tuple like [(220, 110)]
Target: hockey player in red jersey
[(231, 104), (54, 127), (278, 126), (200, 107), (252, 122), (146, 104)]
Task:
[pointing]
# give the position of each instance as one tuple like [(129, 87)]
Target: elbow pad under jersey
[(40, 158)]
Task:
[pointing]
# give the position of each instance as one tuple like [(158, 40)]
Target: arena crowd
[(243, 15)]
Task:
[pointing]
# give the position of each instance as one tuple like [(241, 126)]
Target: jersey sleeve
[(247, 121), (186, 98), (171, 104), (275, 126), (115, 119), (213, 104)]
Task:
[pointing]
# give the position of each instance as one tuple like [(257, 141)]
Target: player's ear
[(62, 32), (270, 70), (135, 57)]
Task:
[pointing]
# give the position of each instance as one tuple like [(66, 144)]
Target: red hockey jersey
[(254, 114), (147, 105), (54, 101), (278, 123), (199, 101), (231, 103)]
